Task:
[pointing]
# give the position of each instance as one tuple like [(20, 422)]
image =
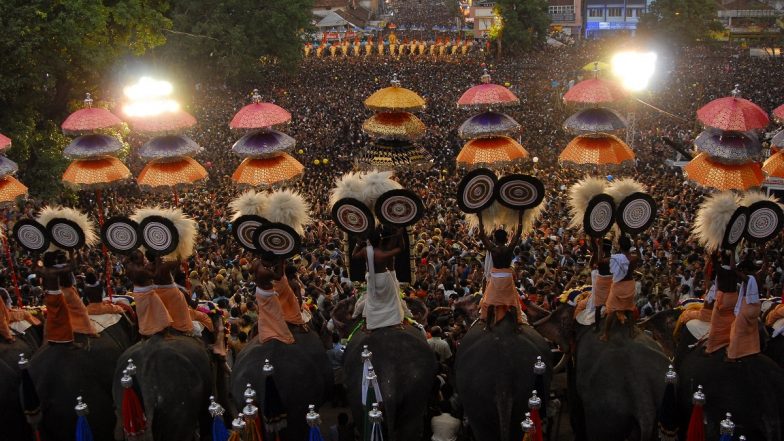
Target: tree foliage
[(524, 24), (230, 38), (680, 21)]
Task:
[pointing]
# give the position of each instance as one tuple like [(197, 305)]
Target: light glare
[(150, 107), (147, 88), (634, 69)]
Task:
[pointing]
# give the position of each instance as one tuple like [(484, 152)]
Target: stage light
[(634, 69)]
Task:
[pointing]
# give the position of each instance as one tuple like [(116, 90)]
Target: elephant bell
[(727, 427), (215, 409), (539, 367)]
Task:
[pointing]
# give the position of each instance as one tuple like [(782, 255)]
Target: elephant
[(615, 386), (12, 419), (404, 364), (302, 375), (749, 389), (174, 381), (495, 377), (62, 372)]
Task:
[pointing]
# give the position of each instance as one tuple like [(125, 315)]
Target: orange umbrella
[(266, 172), (596, 150), (395, 99), (709, 173), (402, 126), (11, 189), (774, 166), (491, 152), (167, 174), (166, 122), (88, 174)]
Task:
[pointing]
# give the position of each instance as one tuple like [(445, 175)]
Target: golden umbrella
[(266, 172), (774, 166), (710, 173), (401, 126), (95, 173), (167, 173), (11, 189), (491, 152), (395, 99), (604, 149)]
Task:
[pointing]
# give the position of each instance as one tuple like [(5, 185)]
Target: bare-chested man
[(152, 314), (272, 325)]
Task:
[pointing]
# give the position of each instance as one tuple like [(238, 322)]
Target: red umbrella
[(486, 94), (89, 119), (167, 122), (594, 91), (778, 113), (5, 142), (733, 113), (259, 115)]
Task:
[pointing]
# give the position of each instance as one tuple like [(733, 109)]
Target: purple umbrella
[(728, 147), (593, 120), (169, 146), (263, 144), (89, 146), (778, 140), (488, 124), (7, 167)]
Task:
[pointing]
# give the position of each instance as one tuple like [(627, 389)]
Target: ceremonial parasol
[(165, 122), (89, 119), (778, 140), (594, 66), (710, 173), (733, 113), (491, 152), (602, 149), (391, 155), (5, 143), (95, 173), (258, 115), (266, 172), (402, 126), (7, 167), (90, 146), (10, 190), (778, 114), (774, 166), (488, 125), (728, 147), (169, 146), (487, 94), (594, 91), (395, 99), (170, 174), (594, 119), (262, 144)]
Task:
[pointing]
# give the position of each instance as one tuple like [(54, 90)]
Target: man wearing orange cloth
[(289, 302), (620, 301), (58, 321), (80, 320), (722, 315), (601, 282), (94, 293), (151, 312), (170, 294), (272, 326), (744, 333), (500, 292)]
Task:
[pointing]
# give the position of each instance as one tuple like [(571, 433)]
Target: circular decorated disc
[(476, 190), (159, 235), (279, 239), (765, 221), (31, 235), (519, 192), (243, 229), (352, 216), (120, 235), (65, 233), (736, 228), (636, 213), (400, 207), (599, 215)]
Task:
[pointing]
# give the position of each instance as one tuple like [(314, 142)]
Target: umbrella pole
[(11, 268), (108, 263), (176, 199)]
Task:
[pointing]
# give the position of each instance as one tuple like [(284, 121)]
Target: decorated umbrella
[(163, 123), (603, 149), (594, 66), (710, 173), (491, 152), (594, 91), (398, 126), (169, 146), (488, 125), (269, 171), (388, 155), (395, 99), (93, 168), (778, 140), (778, 114), (5, 143), (728, 147), (263, 144), (774, 166), (171, 173), (259, 115), (593, 120), (733, 114), (10, 190), (487, 94)]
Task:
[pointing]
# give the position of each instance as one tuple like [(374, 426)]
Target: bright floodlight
[(634, 69), (145, 108), (147, 88)]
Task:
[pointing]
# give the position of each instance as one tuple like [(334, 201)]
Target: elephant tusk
[(561, 366)]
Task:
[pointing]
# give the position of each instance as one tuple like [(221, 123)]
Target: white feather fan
[(80, 218), (348, 186), (376, 183), (287, 207), (753, 196), (619, 189), (248, 203), (580, 194), (712, 218), (186, 228), (498, 215)]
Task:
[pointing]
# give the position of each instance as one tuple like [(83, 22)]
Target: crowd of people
[(325, 99)]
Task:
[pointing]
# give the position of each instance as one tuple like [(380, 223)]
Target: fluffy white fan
[(287, 207), (712, 218), (185, 225), (248, 203), (580, 194)]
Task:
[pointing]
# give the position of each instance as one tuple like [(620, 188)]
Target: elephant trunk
[(504, 403)]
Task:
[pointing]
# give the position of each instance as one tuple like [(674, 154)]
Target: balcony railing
[(569, 16), (739, 13)]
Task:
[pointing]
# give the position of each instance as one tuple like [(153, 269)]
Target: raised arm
[(519, 232), (359, 250), (482, 235)]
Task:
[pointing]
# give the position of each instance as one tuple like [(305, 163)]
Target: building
[(566, 16), (750, 19), (480, 13), (602, 16), (322, 8)]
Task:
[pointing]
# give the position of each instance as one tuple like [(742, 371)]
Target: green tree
[(680, 21), (54, 52), (230, 39), (523, 24)]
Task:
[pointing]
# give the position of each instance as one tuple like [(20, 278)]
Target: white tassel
[(186, 229), (712, 217), (376, 183), (348, 186), (289, 208), (248, 203), (580, 194)]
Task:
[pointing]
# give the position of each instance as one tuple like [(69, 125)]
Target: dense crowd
[(325, 100)]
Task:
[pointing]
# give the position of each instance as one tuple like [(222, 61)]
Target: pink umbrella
[(733, 113), (778, 113), (89, 119), (487, 94), (594, 91), (258, 115)]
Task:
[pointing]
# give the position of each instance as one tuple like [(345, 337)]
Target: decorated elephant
[(302, 376), (615, 386), (12, 418), (495, 377)]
